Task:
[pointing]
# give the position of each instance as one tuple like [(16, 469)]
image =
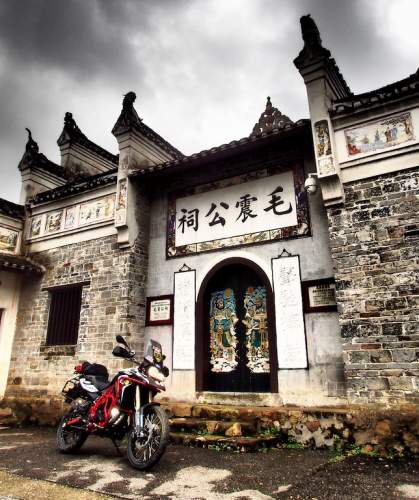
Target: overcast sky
[(201, 69)]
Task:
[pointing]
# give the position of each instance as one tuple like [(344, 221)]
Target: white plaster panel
[(9, 298), (72, 200), (259, 219), (81, 234), (315, 262), (290, 331), (184, 321), (342, 151)]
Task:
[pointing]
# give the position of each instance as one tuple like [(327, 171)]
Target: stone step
[(201, 425), (214, 441), (252, 414), (7, 417)]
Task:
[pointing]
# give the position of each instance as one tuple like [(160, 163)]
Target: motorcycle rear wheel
[(69, 439), (144, 452)]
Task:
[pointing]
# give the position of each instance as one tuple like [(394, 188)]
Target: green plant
[(272, 432), (350, 450), (201, 432), (337, 458), (293, 445)]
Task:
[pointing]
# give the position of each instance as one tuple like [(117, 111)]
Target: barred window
[(64, 315)]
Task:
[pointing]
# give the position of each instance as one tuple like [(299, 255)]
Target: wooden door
[(236, 330)]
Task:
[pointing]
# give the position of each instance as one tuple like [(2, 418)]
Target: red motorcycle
[(119, 407)]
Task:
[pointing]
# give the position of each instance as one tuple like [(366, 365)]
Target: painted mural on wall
[(35, 227), (8, 240), (323, 144), (262, 206), (223, 341), (326, 166), (382, 134), (256, 322), (121, 203), (97, 210), (72, 217), (53, 221), (325, 162)]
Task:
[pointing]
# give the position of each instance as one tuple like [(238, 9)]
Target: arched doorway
[(236, 345)]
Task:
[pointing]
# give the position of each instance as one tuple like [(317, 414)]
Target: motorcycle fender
[(148, 405), (140, 422)]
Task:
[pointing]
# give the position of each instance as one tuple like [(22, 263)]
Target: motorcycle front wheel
[(69, 439), (145, 451)]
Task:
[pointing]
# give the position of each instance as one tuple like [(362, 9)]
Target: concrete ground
[(31, 468)]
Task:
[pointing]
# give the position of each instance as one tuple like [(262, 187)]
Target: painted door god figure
[(223, 341), (256, 322)]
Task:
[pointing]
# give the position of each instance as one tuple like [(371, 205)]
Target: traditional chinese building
[(223, 256)]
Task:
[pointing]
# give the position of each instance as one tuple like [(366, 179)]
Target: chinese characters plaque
[(238, 211), (320, 295), (159, 310)]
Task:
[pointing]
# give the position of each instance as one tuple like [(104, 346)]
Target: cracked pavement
[(194, 473)]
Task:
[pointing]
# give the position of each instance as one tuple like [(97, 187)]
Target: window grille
[(64, 315)]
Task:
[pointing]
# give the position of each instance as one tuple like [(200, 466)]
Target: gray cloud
[(201, 68)]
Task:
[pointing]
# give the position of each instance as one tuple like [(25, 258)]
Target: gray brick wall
[(375, 251), (112, 303)]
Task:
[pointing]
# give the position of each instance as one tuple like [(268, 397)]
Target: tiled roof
[(18, 263), (158, 140), (403, 88), (12, 209), (129, 119), (32, 158), (313, 52), (190, 161), (76, 187), (270, 119), (43, 162), (71, 132)]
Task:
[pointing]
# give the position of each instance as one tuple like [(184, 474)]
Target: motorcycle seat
[(99, 381), (95, 369)]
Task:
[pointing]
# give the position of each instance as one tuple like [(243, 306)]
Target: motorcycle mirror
[(120, 339), (121, 352)]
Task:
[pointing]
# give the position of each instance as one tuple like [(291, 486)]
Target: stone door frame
[(200, 347)]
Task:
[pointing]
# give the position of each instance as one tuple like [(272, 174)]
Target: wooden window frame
[(64, 318)]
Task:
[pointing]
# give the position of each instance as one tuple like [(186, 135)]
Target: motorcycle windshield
[(153, 352)]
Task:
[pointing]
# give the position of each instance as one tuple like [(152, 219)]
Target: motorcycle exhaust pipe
[(117, 422)]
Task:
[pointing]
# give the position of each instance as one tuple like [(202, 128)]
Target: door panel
[(223, 339), (236, 332), (256, 322)]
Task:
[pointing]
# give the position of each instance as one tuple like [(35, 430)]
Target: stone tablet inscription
[(290, 331), (184, 321)]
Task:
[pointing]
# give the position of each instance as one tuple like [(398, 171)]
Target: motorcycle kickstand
[(117, 447)]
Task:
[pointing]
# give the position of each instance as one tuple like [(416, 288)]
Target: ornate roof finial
[(128, 102), (70, 124), (31, 154), (31, 145), (70, 130), (310, 31), (271, 119), (313, 48), (129, 116)]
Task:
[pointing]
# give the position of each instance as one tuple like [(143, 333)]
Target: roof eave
[(221, 152)]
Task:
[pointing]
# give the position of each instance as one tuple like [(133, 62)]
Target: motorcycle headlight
[(155, 373)]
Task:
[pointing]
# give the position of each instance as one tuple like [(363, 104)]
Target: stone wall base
[(372, 427), (44, 411)]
